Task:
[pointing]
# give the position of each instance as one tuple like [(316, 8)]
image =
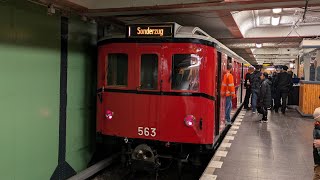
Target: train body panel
[(159, 113)]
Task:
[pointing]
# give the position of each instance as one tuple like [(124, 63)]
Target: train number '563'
[(145, 131)]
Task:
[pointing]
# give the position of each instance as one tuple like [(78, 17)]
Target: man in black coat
[(247, 84), (282, 84), (265, 96), (255, 82)]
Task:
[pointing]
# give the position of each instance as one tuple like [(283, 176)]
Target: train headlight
[(109, 114), (189, 120)]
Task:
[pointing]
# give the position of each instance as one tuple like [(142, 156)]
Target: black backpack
[(255, 80)]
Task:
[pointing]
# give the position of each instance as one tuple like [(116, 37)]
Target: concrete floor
[(280, 149)]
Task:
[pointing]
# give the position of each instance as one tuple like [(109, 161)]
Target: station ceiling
[(278, 25)]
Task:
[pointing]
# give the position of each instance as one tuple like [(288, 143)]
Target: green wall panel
[(7, 127), (29, 66), (29, 92), (81, 93)]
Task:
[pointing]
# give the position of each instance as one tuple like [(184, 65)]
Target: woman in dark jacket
[(265, 98)]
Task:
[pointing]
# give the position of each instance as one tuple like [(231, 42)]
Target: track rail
[(94, 169)]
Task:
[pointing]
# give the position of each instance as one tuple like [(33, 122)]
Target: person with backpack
[(255, 88)]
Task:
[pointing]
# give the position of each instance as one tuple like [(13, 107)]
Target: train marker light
[(189, 120), (109, 114)]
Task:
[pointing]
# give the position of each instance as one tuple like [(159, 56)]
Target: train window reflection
[(149, 71), (185, 72), (117, 70)]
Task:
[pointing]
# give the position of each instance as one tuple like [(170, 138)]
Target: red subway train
[(159, 91)]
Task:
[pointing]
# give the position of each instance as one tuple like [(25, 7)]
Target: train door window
[(149, 72), (117, 70), (185, 72)]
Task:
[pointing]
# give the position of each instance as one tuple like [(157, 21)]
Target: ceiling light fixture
[(275, 20), (277, 10), (258, 45)]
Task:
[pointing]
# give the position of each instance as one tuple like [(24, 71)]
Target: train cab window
[(117, 70), (149, 72), (185, 72)]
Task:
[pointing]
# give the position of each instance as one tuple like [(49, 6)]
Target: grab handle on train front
[(139, 87)]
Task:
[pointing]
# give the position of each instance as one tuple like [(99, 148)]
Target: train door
[(115, 77), (218, 89), (148, 78), (224, 62)]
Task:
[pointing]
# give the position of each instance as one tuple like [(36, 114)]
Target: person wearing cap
[(316, 143), (265, 98), (282, 85), (228, 91)]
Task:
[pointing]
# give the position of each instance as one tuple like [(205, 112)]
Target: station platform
[(280, 149)]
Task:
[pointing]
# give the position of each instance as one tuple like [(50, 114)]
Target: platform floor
[(280, 149)]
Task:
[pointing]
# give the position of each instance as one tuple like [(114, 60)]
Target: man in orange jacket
[(228, 91)]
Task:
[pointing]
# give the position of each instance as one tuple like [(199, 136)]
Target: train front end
[(156, 94)]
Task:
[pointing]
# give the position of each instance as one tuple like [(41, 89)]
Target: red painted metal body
[(135, 108)]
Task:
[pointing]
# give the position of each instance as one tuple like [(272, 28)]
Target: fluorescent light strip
[(275, 20), (277, 10)]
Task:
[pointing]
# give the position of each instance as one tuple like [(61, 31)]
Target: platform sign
[(150, 31)]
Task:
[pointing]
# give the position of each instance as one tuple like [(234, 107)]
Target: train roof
[(177, 31)]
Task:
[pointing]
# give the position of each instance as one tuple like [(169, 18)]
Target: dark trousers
[(247, 98), (282, 95), (264, 112)]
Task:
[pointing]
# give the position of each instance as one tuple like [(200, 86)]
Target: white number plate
[(145, 131)]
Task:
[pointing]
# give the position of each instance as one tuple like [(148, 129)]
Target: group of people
[(267, 92)]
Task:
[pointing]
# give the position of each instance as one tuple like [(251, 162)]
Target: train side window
[(149, 72), (117, 70), (185, 72)]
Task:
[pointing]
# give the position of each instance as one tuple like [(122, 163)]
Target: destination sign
[(148, 31)]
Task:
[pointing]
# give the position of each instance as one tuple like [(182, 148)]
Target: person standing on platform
[(228, 91), (255, 87), (273, 89), (282, 84), (247, 84), (316, 144), (265, 96)]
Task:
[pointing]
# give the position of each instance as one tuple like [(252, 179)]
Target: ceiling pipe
[(305, 10)]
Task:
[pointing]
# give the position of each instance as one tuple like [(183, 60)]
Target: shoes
[(276, 110), (283, 111), (228, 123), (263, 121), (253, 112)]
